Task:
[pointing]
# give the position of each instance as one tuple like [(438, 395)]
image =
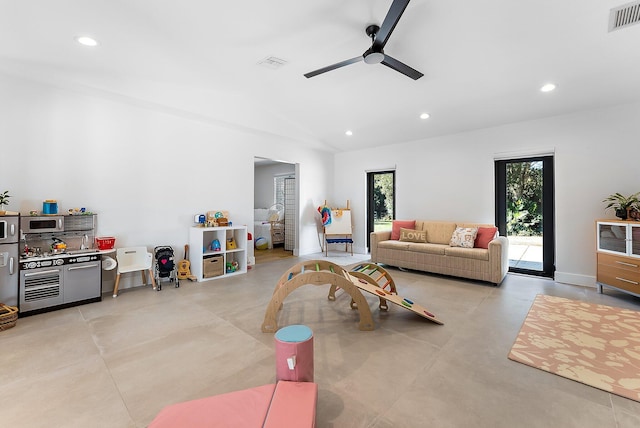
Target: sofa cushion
[(468, 253), (463, 237), (438, 232), (411, 235), (428, 248), (396, 225), (485, 235), (394, 245)]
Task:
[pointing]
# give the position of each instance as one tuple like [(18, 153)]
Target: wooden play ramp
[(370, 278), (377, 281)]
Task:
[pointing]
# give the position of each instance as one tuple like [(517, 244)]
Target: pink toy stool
[(294, 353)]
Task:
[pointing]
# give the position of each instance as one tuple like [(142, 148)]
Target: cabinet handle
[(82, 267), (42, 273), (626, 264), (627, 280), (11, 271)]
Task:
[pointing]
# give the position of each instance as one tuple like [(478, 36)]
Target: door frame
[(548, 209), (370, 204)]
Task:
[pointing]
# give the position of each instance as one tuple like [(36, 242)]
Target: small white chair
[(132, 259)]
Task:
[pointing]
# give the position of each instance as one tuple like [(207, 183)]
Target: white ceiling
[(483, 62)]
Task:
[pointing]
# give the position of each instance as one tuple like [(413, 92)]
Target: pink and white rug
[(597, 345)]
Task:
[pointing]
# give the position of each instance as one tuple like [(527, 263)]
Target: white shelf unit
[(200, 242)]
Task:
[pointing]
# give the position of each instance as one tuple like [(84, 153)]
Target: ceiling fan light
[(348, 133), (374, 58), (425, 116)]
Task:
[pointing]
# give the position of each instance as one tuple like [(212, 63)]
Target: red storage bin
[(105, 242)]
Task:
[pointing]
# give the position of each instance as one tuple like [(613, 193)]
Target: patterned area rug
[(593, 344)]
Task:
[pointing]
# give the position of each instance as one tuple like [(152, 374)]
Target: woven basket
[(8, 316)]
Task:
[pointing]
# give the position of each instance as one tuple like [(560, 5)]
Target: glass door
[(525, 212), (381, 201)]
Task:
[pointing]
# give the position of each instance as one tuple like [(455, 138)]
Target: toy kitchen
[(58, 265)]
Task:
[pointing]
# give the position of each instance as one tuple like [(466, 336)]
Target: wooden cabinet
[(618, 245), (214, 250)]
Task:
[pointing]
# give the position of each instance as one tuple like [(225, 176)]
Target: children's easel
[(339, 229)]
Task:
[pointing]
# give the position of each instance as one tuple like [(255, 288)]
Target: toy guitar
[(184, 266)]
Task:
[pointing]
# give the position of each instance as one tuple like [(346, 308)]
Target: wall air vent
[(624, 16), (272, 62)]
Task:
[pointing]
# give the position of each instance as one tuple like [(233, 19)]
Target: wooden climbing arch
[(315, 272)]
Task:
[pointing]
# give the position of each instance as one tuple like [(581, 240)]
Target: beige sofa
[(437, 256)]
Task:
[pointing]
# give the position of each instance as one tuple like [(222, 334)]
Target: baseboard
[(575, 279), (336, 247)]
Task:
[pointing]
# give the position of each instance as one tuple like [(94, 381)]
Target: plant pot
[(621, 213)]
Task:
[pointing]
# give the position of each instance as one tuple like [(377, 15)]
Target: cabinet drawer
[(625, 263), (618, 278)]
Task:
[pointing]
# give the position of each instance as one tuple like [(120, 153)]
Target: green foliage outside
[(524, 199), (383, 197)]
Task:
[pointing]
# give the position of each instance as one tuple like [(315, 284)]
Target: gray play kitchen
[(9, 249), (59, 265)]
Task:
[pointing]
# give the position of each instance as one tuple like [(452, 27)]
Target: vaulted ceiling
[(483, 62)]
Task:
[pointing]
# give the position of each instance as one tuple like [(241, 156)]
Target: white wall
[(452, 177), (145, 172)]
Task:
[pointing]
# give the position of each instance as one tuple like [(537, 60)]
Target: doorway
[(525, 213), (381, 201), (276, 198)]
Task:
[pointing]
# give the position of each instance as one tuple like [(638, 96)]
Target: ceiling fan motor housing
[(373, 55)]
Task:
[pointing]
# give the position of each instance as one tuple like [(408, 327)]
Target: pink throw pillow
[(485, 235), (396, 225)]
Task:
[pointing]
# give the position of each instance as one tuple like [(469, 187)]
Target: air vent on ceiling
[(625, 15), (272, 62)]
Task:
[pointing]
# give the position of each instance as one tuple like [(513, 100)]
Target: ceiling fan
[(379, 37)]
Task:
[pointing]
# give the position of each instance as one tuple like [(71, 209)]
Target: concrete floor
[(116, 363), (525, 252)]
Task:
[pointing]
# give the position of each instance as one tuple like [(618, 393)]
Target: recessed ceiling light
[(87, 41), (424, 116), (547, 87), (348, 133)]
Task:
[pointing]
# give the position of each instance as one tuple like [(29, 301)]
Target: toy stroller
[(165, 266)]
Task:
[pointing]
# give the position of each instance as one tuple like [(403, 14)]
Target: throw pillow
[(410, 235), (463, 237), (485, 235), (396, 225)]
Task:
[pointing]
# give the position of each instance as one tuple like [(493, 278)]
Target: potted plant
[(4, 200), (623, 205)]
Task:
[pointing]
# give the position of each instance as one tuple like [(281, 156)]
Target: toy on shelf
[(232, 266), (215, 245)]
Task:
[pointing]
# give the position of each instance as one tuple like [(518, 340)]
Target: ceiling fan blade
[(393, 16), (333, 67), (401, 67)]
